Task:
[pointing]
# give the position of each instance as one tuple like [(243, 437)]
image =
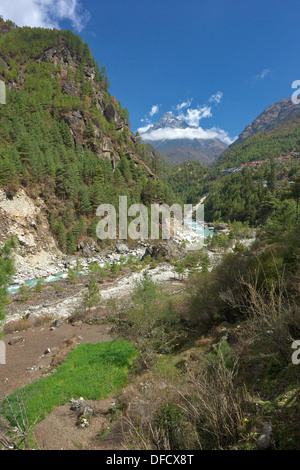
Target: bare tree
[(14, 408)]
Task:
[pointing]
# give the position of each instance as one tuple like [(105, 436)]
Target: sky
[(217, 64)]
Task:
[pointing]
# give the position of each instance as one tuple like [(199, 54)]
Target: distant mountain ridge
[(171, 121), (272, 116), (178, 149), (273, 133)]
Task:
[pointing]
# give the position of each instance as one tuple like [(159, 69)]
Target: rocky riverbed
[(54, 266)]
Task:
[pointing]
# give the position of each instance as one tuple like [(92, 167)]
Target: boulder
[(85, 417), (57, 323), (264, 440), (87, 252), (87, 412), (167, 250), (122, 248)]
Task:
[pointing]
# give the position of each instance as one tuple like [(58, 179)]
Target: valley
[(148, 344)]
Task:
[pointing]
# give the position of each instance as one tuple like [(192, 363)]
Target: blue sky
[(227, 60)]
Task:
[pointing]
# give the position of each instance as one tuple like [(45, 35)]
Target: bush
[(151, 322)]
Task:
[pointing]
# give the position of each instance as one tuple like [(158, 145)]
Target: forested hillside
[(256, 182), (259, 179), (281, 140), (63, 137)]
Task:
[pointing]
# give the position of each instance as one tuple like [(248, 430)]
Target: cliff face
[(26, 219), (77, 120)]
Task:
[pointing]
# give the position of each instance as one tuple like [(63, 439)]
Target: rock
[(221, 227), (85, 417), (87, 252), (57, 323), (264, 440), (48, 351), (77, 405), (87, 412), (15, 340), (83, 423), (122, 248), (167, 250)]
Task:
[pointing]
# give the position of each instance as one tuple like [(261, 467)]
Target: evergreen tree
[(6, 273)]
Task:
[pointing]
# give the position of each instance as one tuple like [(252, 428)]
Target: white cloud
[(260, 76), (184, 104), (193, 116), (45, 13), (154, 110), (190, 134), (263, 74), (143, 129), (216, 98)]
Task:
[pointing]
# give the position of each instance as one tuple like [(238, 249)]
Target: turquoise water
[(199, 229), (14, 288)]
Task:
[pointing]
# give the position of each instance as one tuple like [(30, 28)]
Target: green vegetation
[(228, 369), (24, 293), (187, 181), (37, 148), (92, 371), (149, 322), (262, 146), (6, 273)]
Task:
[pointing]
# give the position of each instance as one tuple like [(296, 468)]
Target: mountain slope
[(175, 140), (63, 137), (273, 134), (271, 117), (260, 172)]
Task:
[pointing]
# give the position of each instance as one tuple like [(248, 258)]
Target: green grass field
[(92, 371)]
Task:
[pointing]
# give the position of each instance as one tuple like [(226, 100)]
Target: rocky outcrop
[(103, 145), (26, 219), (166, 250)]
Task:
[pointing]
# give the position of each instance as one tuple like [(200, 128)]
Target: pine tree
[(6, 273), (84, 201), (61, 234)]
